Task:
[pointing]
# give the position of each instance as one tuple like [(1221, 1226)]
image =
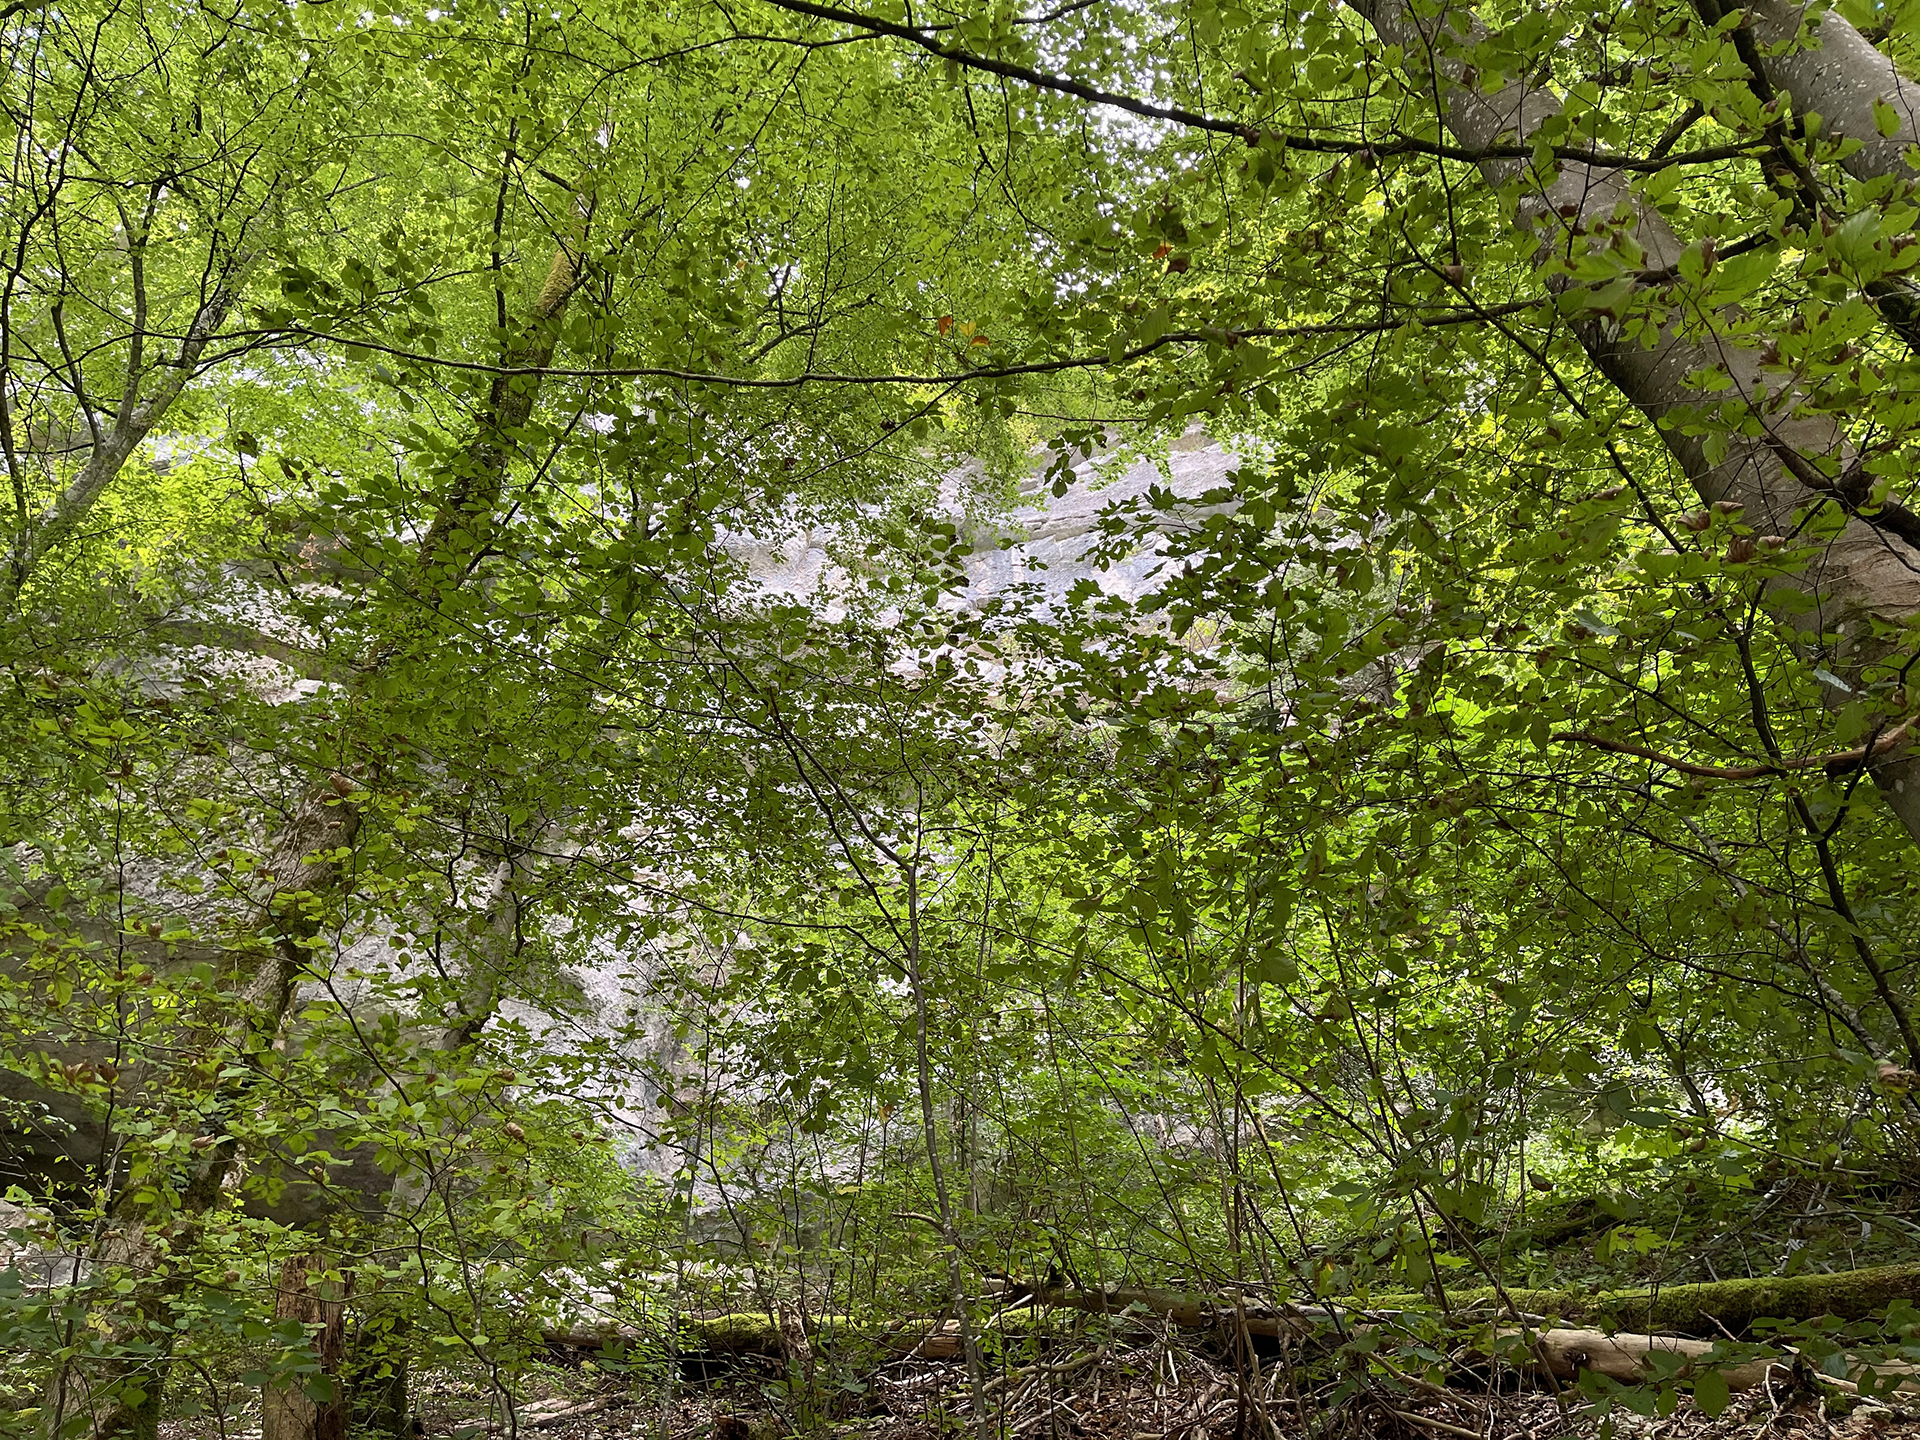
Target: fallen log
[(741, 1333), (1629, 1358), (1712, 1308), (1602, 1344), (1625, 1356), (1188, 1310)]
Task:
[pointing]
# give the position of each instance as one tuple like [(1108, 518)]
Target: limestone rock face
[(1046, 542), (1031, 554)]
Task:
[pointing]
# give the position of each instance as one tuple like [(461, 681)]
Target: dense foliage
[(459, 884)]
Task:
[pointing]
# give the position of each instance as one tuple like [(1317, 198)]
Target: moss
[(1702, 1309), (1736, 1304), (741, 1333)]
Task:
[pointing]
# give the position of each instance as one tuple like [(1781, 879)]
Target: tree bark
[(742, 1334), (121, 1389), (1627, 1356), (117, 1396), (1725, 1306), (1716, 1309), (1869, 570), (1630, 1359), (1838, 75), (288, 1411), (465, 512), (302, 875), (1565, 1349), (473, 495)]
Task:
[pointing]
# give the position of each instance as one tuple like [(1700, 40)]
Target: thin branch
[(985, 372), (1839, 760), (1241, 130), (131, 426)]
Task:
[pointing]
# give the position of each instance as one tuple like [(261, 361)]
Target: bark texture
[(288, 1411), (1830, 69), (1632, 1359)]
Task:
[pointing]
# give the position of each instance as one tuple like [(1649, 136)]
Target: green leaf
[(1710, 1392)]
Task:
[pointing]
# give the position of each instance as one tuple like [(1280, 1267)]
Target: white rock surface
[(1045, 542)]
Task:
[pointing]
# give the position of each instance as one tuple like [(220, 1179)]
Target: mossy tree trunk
[(1728, 1306)]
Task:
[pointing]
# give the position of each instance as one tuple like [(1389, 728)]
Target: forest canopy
[(962, 672)]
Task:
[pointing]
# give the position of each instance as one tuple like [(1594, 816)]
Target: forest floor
[(1118, 1398)]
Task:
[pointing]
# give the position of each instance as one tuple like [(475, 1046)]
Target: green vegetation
[(540, 790)]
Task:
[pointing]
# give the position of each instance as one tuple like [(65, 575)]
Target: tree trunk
[(377, 1394), (1871, 570), (1866, 577), (301, 873), (120, 1388), (466, 510), (1725, 1306), (375, 1370), (289, 1409), (1839, 76), (115, 1393)]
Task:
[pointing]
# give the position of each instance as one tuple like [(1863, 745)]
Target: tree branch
[(1835, 763), (1224, 336), (132, 423), (1240, 130)]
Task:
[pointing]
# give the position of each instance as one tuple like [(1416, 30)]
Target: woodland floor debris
[(1125, 1394)]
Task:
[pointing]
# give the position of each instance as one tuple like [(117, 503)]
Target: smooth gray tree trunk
[(1865, 573)]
